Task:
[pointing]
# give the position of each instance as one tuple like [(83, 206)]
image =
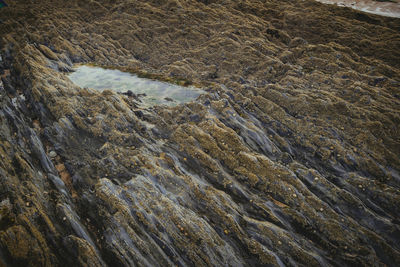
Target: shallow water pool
[(157, 92)]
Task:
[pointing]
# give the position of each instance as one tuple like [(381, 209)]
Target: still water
[(157, 92)]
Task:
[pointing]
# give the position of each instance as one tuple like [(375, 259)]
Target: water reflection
[(157, 93)]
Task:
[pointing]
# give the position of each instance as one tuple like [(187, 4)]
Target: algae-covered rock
[(289, 158)]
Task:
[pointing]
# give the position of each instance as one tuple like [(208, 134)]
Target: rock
[(264, 170), (52, 154), (129, 93), (195, 118)]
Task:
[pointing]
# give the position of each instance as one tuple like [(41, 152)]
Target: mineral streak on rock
[(290, 159)]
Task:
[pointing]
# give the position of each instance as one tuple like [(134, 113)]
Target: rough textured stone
[(291, 158)]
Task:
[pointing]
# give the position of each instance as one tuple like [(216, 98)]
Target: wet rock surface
[(390, 8), (290, 159)]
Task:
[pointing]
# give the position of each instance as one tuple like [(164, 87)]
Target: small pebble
[(52, 154)]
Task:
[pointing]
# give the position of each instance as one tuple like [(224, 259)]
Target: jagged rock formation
[(292, 158)]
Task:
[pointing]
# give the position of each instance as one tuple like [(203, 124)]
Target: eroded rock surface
[(290, 159)]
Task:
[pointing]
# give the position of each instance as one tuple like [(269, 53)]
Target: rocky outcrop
[(291, 158)]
